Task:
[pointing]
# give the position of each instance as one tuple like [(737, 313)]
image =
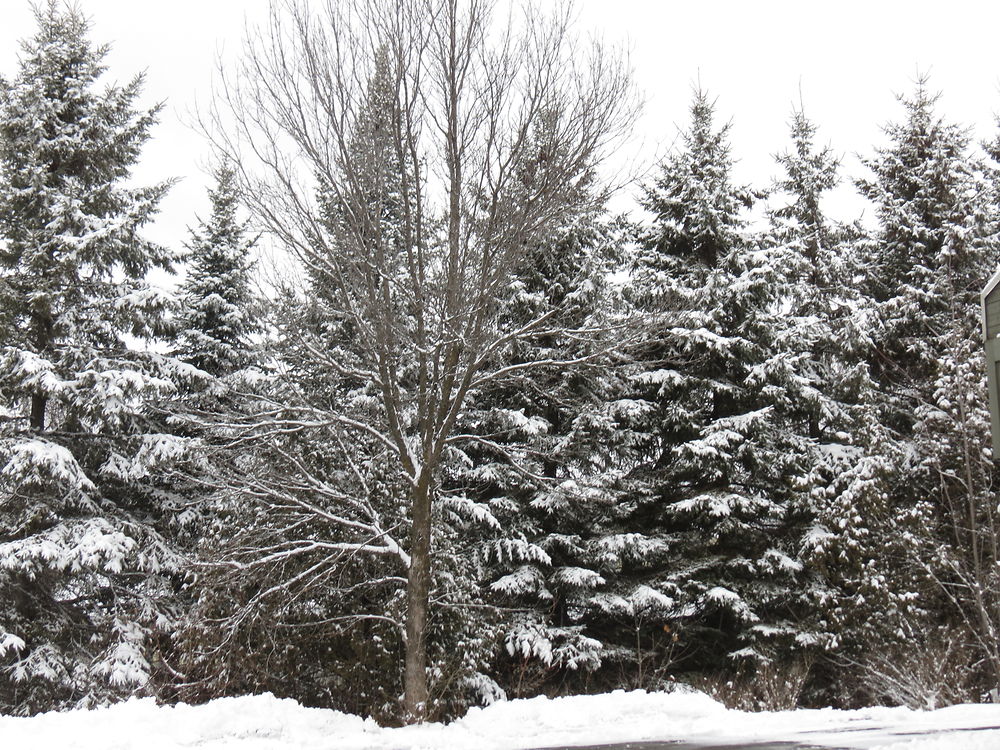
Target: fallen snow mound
[(264, 722)]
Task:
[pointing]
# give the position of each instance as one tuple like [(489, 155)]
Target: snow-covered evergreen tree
[(824, 335), (82, 569), (934, 249), (814, 261), (216, 317), (538, 447), (930, 249), (717, 490)]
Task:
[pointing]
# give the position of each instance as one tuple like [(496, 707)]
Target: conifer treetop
[(70, 223), (698, 210), (217, 296)]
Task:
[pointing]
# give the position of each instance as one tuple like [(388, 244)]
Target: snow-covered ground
[(267, 723)]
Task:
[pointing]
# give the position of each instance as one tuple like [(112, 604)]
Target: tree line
[(478, 437)]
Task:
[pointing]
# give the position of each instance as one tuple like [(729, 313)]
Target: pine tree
[(717, 481), (83, 571), (824, 336), (217, 316), (931, 254), (929, 250), (814, 261), (537, 452)]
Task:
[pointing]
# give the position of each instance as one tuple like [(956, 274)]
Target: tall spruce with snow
[(824, 340), (934, 249), (537, 450), (813, 254), (82, 570), (717, 481), (216, 318)]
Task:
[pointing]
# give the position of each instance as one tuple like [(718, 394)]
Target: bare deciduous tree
[(407, 153)]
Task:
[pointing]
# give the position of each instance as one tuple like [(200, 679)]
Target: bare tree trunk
[(418, 585)]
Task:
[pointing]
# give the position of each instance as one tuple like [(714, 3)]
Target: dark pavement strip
[(775, 745), (680, 745)]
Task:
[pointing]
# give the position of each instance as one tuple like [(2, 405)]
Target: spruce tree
[(535, 460), (814, 260), (931, 254), (930, 246), (823, 335), (718, 471), (83, 571), (217, 317)]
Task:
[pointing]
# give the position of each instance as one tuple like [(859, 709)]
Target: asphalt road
[(954, 733), (696, 746), (870, 735)]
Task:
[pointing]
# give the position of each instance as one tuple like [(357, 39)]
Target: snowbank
[(264, 722)]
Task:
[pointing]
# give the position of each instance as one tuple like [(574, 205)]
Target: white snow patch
[(524, 424), (10, 642), (264, 722), (33, 459)]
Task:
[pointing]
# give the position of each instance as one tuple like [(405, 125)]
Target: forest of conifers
[(472, 436)]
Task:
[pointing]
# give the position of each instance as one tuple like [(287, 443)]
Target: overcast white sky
[(849, 57)]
